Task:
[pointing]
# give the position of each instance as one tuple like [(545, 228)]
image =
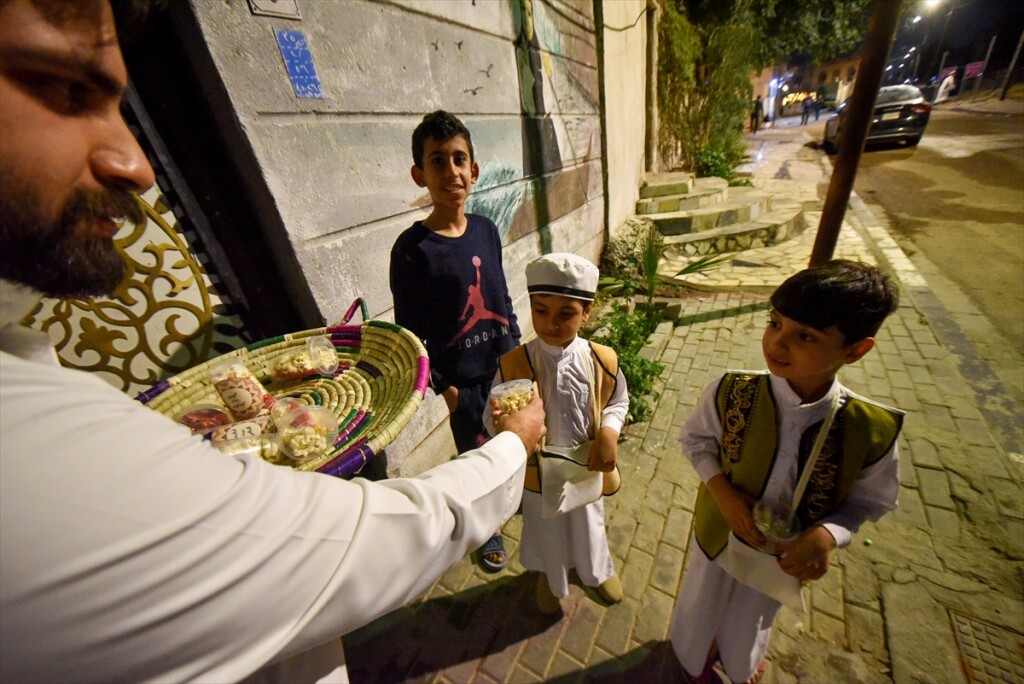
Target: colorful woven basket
[(381, 378)]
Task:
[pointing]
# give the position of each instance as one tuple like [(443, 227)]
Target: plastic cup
[(512, 395), (318, 356), (306, 432), (770, 520), (322, 353)]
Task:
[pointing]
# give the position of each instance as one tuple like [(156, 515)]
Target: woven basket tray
[(381, 378)]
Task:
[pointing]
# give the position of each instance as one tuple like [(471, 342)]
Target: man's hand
[(451, 398), (736, 507), (603, 451), (527, 422), (806, 558)]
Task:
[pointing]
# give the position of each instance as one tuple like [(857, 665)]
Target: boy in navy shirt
[(449, 286)]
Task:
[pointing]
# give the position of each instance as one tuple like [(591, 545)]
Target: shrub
[(626, 332)]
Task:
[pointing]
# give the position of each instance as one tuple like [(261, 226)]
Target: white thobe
[(132, 551), (712, 606), (575, 539)]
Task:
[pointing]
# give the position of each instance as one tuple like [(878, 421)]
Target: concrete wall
[(625, 48), (522, 75)]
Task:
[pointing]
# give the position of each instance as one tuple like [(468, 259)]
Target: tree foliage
[(819, 29), (703, 88), (707, 51)]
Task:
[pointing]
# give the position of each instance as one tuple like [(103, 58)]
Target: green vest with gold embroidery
[(861, 433)]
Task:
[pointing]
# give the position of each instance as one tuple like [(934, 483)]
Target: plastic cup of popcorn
[(512, 395), (317, 356), (306, 432), (771, 522)]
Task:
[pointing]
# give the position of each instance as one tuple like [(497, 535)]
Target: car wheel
[(912, 142)]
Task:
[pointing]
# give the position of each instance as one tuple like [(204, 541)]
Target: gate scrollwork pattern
[(165, 317)]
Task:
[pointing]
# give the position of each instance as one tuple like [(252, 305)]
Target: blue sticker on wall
[(299, 62)]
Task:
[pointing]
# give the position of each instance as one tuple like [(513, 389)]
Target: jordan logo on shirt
[(475, 311)]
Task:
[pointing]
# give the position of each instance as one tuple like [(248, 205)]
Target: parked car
[(901, 114)]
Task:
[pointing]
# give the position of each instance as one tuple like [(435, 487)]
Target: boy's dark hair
[(854, 296), (442, 127)]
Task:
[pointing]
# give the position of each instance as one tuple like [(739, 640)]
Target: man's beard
[(49, 255)]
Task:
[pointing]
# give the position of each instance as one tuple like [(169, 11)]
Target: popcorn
[(512, 395), (318, 357), (306, 432), (304, 443), (773, 524)]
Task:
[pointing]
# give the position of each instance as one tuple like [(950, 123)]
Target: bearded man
[(129, 550)]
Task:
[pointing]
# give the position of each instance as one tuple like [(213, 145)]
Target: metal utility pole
[(1009, 70), (942, 65), (651, 95), (885, 17), (984, 65)]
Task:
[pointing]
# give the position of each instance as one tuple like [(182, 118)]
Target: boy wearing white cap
[(586, 402)]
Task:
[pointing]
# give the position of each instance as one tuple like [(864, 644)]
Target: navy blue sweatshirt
[(451, 292)]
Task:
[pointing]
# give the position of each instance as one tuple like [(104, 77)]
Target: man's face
[(68, 163)]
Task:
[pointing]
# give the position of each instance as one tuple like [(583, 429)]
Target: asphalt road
[(957, 200)]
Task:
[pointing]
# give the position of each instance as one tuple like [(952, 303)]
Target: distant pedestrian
[(750, 435), (756, 114), (805, 112), (945, 88)]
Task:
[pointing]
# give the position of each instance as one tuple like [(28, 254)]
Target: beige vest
[(516, 365)]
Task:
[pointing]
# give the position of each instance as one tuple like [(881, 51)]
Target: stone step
[(785, 220), (661, 184), (745, 204), (703, 192)]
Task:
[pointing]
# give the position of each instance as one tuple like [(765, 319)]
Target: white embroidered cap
[(563, 274)]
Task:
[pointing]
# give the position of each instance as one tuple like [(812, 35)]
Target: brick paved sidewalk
[(886, 612), (935, 583)]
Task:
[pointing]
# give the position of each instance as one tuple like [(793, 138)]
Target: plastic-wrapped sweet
[(201, 418), (239, 389), (512, 395), (317, 357), (306, 432)]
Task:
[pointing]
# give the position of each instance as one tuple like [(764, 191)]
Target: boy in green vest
[(750, 439)]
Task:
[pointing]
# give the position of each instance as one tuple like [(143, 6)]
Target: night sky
[(972, 25)]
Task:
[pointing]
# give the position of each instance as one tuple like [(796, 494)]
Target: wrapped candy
[(240, 391)]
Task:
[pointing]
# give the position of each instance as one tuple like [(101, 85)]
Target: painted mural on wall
[(559, 124), (556, 61)]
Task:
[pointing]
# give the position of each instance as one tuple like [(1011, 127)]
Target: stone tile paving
[(893, 607), (881, 614)]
